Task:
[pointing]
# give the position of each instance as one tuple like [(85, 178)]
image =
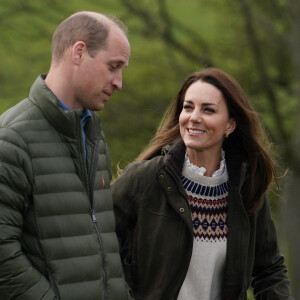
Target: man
[(57, 238)]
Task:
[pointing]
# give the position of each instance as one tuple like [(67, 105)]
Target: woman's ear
[(231, 126)]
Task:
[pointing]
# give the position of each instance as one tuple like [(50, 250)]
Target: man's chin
[(100, 106)]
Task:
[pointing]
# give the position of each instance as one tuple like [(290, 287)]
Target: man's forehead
[(118, 44)]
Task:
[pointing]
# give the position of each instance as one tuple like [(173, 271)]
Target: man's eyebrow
[(120, 62)]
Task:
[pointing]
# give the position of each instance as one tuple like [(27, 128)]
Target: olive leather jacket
[(155, 231)]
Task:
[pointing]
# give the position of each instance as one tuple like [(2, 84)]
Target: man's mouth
[(107, 93)]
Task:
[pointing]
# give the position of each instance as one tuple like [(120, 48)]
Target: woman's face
[(204, 119)]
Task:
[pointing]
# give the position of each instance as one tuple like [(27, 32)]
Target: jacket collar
[(175, 157), (235, 162), (65, 122)]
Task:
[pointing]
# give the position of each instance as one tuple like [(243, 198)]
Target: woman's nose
[(195, 116)]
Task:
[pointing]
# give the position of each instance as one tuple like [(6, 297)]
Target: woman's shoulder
[(145, 166), (138, 173)]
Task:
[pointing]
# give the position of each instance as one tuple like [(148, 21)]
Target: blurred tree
[(291, 216), (247, 39), (170, 39), (273, 74)]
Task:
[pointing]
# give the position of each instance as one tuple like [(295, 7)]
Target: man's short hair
[(83, 27)]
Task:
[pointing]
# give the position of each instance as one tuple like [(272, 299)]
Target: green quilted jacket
[(57, 238)]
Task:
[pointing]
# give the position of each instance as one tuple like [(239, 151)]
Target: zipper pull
[(93, 215)]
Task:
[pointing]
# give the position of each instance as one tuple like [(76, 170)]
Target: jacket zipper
[(53, 286), (102, 253), (90, 191), (93, 215)]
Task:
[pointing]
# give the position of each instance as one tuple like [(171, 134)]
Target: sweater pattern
[(208, 205)]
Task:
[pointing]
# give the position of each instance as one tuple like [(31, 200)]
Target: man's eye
[(113, 67)]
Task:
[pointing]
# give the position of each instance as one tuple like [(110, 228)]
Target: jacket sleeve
[(269, 273), (125, 198), (19, 279)]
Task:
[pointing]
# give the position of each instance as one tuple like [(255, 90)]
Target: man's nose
[(117, 81)]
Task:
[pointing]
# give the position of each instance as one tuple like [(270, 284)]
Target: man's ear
[(78, 51)]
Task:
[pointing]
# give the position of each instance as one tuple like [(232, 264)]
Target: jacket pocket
[(159, 206), (130, 262)]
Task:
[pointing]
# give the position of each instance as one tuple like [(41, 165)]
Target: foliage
[(249, 39), (169, 40)]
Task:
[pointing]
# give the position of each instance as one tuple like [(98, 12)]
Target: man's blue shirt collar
[(85, 115)]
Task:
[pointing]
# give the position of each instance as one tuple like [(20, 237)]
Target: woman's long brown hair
[(249, 134)]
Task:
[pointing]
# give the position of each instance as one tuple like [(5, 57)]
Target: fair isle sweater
[(207, 198)]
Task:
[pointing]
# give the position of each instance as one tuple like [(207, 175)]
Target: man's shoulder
[(13, 123), (18, 113)]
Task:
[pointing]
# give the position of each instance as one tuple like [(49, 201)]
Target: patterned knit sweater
[(207, 198)]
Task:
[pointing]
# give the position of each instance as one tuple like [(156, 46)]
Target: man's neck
[(58, 81)]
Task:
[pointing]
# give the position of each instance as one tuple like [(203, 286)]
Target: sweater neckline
[(195, 174), (201, 170)]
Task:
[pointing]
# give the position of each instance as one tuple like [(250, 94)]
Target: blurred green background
[(257, 42)]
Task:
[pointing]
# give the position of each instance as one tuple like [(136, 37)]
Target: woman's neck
[(210, 160)]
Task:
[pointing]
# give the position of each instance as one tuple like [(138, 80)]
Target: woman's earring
[(226, 135)]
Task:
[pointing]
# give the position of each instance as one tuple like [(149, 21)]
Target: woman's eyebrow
[(202, 104)]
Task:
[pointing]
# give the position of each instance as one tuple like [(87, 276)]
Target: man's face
[(96, 78)]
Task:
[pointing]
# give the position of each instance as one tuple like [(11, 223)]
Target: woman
[(192, 218)]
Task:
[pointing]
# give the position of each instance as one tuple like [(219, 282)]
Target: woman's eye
[(187, 106), (209, 110)]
